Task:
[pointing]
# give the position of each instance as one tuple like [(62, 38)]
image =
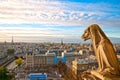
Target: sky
[(56, 20)]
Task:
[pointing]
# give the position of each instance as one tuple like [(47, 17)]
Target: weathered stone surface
[(108, 65), (105, 77), (97, 76)]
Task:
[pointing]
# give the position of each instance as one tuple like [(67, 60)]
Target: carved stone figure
[(105, 54)]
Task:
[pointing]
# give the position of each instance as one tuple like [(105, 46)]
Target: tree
[(19, 61), (10, 51), (5, 75), (10, 76)]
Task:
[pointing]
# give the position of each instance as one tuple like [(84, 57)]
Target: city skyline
[(53, 20)]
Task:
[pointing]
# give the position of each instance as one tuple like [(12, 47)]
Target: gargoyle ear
[(88, 30), (93, 30)]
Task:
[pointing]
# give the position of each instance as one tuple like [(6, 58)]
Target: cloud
[(25, 33), (56, 12), (49, 34), (54, 19)]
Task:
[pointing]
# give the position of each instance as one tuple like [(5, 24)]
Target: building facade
[(35, 59)]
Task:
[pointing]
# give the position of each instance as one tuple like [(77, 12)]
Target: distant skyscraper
[(61, 41), (5, 42), (12, 43), (12, 40)]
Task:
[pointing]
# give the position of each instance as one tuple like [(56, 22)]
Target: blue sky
[(53, 20)]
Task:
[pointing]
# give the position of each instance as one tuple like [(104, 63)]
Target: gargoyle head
[(86, 35), (95, 33)]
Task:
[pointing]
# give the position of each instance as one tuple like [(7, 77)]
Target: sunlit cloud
[(39, 34), (56, 12), (53, 20)]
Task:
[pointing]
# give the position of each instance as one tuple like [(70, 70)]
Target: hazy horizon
[(113, 40)]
